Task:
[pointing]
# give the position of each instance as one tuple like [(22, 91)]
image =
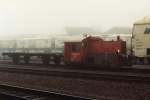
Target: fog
[(53, 16)]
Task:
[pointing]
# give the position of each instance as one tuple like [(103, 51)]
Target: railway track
[(83, 74), (125, 74), (21, 93), (103, 77), (133, 69), (39, 65)]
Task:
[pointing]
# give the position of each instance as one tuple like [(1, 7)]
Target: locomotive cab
[(72, 52)]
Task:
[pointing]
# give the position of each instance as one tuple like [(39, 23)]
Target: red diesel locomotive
[(96, 51)]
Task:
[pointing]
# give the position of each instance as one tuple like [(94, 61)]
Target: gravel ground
[(96, 89), (2, 97)]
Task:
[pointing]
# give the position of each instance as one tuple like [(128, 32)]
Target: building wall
[(141, 40)]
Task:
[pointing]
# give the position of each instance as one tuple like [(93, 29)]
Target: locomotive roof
[(92, 38), (72, 42)]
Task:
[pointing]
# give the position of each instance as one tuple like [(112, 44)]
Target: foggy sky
[(51, 16)]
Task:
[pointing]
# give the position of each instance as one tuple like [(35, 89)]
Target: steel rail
[(95, 75), (21, 93), (51, 66)]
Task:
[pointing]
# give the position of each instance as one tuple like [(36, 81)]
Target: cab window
[(76, 47)]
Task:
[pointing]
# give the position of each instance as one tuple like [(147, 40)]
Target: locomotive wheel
[(113, 61), (134, 60), (67, 63), (26, 59), (15, 59), (113, 64)]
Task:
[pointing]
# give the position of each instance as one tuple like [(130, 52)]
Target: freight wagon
[(45, 57)]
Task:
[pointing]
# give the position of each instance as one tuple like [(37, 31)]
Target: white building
[(141, 38)]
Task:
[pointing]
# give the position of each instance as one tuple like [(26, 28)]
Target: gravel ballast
[(96, 89)]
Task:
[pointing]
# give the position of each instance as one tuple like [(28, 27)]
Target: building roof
[(145, 20), (119, 30), (80, 30)]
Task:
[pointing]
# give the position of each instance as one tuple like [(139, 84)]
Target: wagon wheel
[(57, 60), (45, 60), (26, 59)]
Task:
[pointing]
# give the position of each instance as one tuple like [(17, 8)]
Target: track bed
[(90, 84)]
